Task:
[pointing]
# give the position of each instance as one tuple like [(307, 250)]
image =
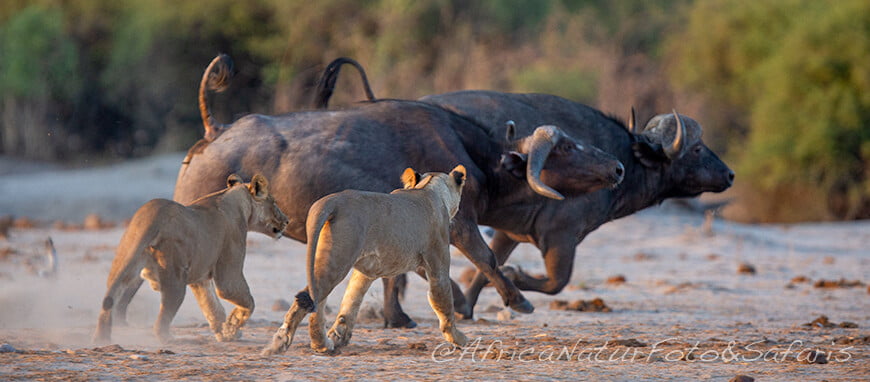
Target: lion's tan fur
[(378, 235), (201, 245)]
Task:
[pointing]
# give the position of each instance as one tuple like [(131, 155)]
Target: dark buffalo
[(665, 159), (307, 155)]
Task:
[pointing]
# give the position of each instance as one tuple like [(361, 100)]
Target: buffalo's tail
[(326, 86), (216, 78)]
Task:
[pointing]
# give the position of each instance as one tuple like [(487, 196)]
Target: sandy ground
[(683, 312)]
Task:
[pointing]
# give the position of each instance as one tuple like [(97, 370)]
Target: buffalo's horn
[(510, 130), (632, 123), (673, 151), (543, 140)]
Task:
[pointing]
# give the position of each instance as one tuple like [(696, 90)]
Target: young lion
[(175, 245), (379, 235)]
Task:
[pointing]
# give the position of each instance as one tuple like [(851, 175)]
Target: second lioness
[(379, 235)]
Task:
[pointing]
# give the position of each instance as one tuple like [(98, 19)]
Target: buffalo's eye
[(697, 149)]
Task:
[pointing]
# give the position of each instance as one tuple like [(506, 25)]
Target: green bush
[(798, 70)]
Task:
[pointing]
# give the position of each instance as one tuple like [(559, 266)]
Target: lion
[(378, 235), (172, 245)]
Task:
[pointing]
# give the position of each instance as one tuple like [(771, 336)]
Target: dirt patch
[(823, 322), (841, 283), (594, 305)]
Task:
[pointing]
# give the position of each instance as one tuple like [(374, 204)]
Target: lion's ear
[(410, 178), (458, 174), (260, 186), (233, 180)]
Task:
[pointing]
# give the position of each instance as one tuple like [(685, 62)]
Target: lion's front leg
[(342, 330), (214, 313), (283, 337), (232, 286)]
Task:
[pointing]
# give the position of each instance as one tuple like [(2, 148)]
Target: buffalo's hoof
[(404, 322), (523, 306)]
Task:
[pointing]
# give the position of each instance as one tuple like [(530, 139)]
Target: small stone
[(140, 357), (280, 305), (115, 348), (848, 325), (742, 378), (746, 269), (7, 348), (821, 322), (800, 279), (165, 351), (617, 279), (631, 343), (417, 346), (505, 314), (93, 222), (812, 357)]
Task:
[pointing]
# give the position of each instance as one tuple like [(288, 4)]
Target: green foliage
[(37, 59), (575, 85), (798, 68)]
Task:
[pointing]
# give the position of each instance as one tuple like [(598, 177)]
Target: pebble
[(139, 357), (505, 314), (7, 348)]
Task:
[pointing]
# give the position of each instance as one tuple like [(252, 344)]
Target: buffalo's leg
[(394, 316), (210, 306), (502, 246), (559, 262), (467, 238), (342, 329)]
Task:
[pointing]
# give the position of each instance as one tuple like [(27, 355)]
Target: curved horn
[(510, 130), (673, 151), (542, 142), (632, 123)]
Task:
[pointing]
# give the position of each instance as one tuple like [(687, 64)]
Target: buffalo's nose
[(620, 172)]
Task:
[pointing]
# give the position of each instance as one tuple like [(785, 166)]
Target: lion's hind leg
[(342, 329), (172, 289), (120, 281), (441, 300)]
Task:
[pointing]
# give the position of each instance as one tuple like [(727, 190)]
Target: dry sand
[(683, 312)]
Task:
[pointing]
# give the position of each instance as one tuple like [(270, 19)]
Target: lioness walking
[(379, 235), (174, 245)]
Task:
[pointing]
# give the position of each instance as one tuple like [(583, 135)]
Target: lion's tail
[(307, 299), (126, 266), (216, 77)]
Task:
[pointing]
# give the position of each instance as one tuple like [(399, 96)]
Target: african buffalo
[(308, 155), (665, 159)]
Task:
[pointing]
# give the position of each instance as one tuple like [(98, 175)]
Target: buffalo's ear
[(514, 163), (259, 186), (233, 180), (649, 154), (410, 178), (458, 174)]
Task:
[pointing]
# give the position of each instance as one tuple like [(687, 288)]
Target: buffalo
[(310, 154), (665, 159)]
